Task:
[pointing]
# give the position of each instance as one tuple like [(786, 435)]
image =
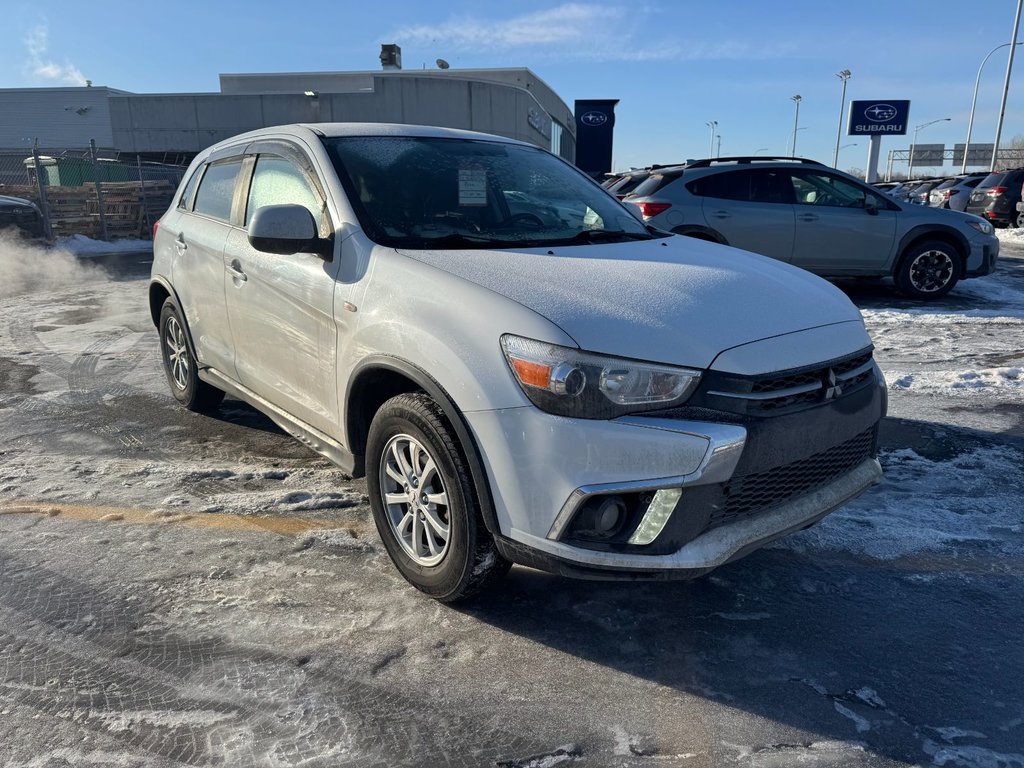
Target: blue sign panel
[(869, 118)]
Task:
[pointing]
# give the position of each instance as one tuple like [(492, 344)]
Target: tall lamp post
[(796, 121), (910, 170), (844, 75), (974, 103), (711, 146), (718, 148), (1006, 84)]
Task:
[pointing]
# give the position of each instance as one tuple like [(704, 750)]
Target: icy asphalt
[(180, 590)]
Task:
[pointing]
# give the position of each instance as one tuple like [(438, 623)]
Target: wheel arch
[(941, 233), (700, 232), (377, 379), (159, 291)]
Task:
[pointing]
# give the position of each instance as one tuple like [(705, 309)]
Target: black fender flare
[(700, 232), (430, 385), (155, 312), (939, 232)]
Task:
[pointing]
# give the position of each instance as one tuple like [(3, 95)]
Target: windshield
[(415, 192)]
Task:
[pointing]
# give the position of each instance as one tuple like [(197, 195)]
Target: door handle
[(808, 217), (180, 244), (721, 214), (236, 272)]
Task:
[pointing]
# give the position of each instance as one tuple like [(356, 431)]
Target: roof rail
[(708, 162)]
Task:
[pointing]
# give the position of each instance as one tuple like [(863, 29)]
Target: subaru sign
[(879, 118), (593, 118)]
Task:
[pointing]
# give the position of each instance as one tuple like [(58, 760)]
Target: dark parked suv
[(997, 196), (21, 213)]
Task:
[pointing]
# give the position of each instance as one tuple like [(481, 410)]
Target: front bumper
[(732, 481), (982, 259)]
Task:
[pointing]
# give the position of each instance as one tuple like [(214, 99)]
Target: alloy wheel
[(177, 353), (415, 500), (931, 271)]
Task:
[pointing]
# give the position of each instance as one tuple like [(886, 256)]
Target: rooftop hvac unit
[(390, 56)]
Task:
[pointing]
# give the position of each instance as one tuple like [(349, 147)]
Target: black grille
[(753, 396), (744, 496)]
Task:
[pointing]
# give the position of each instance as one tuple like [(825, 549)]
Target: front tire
[(424, 502), (180, 365), (928, 270)]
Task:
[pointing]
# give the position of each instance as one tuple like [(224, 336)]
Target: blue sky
[(674, 65)]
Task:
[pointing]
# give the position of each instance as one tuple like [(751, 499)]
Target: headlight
[(570, 382), (982, 226)]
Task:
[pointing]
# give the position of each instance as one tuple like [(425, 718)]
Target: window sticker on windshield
[(472, 186)]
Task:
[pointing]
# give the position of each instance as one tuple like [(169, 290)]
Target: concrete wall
[(63, 118), (192, 122)]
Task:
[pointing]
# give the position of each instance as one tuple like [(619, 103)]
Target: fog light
[(657, 515), (601, 517)]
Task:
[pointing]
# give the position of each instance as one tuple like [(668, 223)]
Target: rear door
[(835, 232), (751, 207), (199, 228), (281, 308)]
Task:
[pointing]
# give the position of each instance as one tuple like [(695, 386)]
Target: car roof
[(332, 130)]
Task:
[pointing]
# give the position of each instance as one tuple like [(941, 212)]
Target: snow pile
[(971, 501), (956, 383), (1011, 235), (81, 245)]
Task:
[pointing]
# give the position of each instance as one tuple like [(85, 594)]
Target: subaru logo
[(880, 113), (593, 118), (833, 388)]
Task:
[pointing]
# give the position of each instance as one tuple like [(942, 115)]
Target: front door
[(281, 308), (836, 231)]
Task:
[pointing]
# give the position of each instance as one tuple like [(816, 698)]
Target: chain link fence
[(101, 195)]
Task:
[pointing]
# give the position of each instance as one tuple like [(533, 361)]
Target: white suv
[(522, 369)]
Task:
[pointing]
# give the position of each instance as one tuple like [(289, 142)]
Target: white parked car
[(554, 384)]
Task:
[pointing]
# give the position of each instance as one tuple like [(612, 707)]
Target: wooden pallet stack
[(75, 210)]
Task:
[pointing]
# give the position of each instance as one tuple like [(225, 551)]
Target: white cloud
[(576, 31), (40, 65)]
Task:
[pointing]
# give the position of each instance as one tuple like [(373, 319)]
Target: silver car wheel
[(415, 499), (177, 353), (931, 271)]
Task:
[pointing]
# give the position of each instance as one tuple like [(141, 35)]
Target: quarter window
[(277, 181), (217, 190)]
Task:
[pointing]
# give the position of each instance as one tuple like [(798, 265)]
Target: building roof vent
[(390, 56)]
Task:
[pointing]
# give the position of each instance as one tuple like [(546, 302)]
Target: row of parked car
[(993, 196), (823, 220)]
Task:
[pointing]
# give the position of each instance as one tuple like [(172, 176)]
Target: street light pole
[(844, 75), (711, 145), (974, 102), (796, 121), (718, 149), (1006, 84), (913, 144)]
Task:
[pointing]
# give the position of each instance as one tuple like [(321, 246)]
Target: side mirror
[(871, 207), (285, 229)]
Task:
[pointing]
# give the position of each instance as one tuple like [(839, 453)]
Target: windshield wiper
[(454, 240), (603, 236)]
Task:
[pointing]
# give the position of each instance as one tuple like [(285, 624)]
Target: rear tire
[(425, 504), (928, 270), (180, 365)]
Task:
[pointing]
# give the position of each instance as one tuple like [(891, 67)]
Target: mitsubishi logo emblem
[(833, 388)]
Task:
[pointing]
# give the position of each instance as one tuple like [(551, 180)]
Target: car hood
[(673, 300)]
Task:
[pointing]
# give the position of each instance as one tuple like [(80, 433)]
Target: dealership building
[(173, 127)]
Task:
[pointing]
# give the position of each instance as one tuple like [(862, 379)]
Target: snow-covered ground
[(179, 590)]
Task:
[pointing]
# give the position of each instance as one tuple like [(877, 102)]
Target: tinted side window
[(276, 181), (186, 195), (734, 185), (829, 191), (762, 185), (217, 190)]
